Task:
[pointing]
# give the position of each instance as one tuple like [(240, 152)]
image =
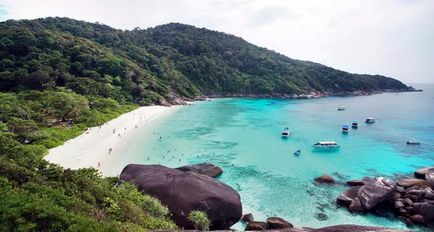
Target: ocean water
[(242, 135)]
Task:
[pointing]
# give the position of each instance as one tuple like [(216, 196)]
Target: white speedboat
[(370, 120), (326, 145), (285, 132), (345, 129), (413, 142), (341, 108)]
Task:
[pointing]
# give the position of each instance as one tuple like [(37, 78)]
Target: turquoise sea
[(242, 135)]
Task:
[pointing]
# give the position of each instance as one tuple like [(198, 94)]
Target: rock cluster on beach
[(279, 224), (183, 191), (410, 199), (192, 187)]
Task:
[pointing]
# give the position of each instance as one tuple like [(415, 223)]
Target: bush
[(199, 219)]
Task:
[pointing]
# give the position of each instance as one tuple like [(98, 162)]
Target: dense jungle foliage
[(59, 76)]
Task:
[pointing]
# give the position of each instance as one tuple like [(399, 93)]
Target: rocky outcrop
[(353, 228), (254, 226), (246, 218), (347, 196), (355, 183), (206, 169), (375, 191), (186, 191), (420, 173), (410, 199), (325, 179), (406, 183), (272, 223), (277, 223)]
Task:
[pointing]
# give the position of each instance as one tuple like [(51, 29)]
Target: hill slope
[(145, 66)]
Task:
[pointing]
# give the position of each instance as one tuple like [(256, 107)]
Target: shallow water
[(243, 137)]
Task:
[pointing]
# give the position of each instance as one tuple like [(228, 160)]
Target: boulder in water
[(347, 196), (425, 209), (430, 178), (355, 183), (247, 218), (325, 179), (277, 223), (183, 192), (254, 226), (375, 191), (413, 182), (356, 206), (420, 173)]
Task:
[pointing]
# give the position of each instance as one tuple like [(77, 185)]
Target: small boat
[(285, 132), (354, 125), (345, 129), (413, 142), (297, 153), (370, 120), (326, 145), (341, 108)]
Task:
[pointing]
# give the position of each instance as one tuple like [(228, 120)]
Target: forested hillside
[(59, 76), (144, 66)]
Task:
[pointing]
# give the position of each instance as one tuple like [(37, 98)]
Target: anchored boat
[(326, 145), (341, 108), (413, 142), (285, 132), (355, 125), (370, 120), (345, 129)]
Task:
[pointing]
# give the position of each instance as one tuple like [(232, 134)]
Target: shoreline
[(311, 95), (97, 145)]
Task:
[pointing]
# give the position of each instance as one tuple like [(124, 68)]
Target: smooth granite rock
[(420, 173), (254, 226), (325, 179), (356, 206), (207, 169), (247, 218), (186, 191), (425, 209), (347, 196), (375, 191), (412, 182), (355, 183), (277, 223)]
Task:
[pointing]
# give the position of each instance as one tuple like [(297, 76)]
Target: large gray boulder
[(413, 182), (425, 210), (347, 196), (354, 228), (183, 192), (430, 178), (421, 172), (207, 169), (325, 179), (375, 191)]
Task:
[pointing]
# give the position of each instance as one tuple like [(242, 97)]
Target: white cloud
[(389, 37)]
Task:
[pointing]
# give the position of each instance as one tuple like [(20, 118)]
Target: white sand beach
[(98, 144)]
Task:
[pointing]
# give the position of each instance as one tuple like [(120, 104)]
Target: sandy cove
[(98, 144)]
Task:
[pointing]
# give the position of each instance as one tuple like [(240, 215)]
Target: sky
[(388, 37)]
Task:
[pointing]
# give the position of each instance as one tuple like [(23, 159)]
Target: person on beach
[(110, 150), (114, 131), (99, 164)]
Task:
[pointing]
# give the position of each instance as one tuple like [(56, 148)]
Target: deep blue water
[(243, 137)]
